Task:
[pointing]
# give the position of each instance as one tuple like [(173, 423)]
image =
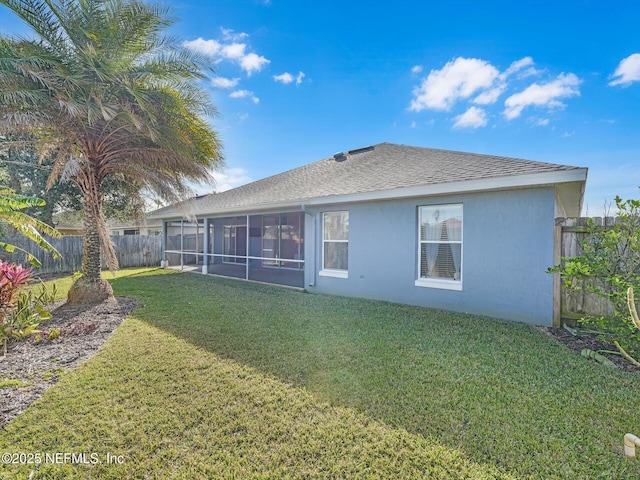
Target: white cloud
[(542, 95), (286, 78), (253, 63), (230, 178), (222, 82), (476, 82), (244, 94), (517, 66), (628, 71), (234, 51), (210, 48), (230, 35), (458, 79), (490, 96), (500, 85), (474, 117), (416, 69), (414, 125)]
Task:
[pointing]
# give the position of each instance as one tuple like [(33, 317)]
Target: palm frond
[(112, 93)]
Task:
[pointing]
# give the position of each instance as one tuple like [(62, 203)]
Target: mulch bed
[(83, 329), (578, 343)]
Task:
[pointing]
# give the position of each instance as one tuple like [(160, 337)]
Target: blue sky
[(296, 81)]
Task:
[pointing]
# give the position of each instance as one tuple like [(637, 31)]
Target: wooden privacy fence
[(131, 250), (570, 305)]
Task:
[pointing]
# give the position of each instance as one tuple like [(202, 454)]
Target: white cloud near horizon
[(231, 178), (474, 117), (545, 95), (416, 69), (286, 78), (628, 71)]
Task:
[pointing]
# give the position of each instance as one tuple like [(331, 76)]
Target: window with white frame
[(440, 246), (335, 243)]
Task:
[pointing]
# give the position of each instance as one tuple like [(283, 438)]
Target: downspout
[(307, 263), (246, 258), (630, 442), (163, 247), (181, 244), (205, 246)]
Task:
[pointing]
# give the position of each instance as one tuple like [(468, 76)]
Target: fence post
[(557, 280)]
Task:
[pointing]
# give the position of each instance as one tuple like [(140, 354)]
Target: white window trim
[(441, 283), (333, 272), (438, 283)]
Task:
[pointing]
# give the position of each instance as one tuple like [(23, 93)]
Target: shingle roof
[(384, 166)]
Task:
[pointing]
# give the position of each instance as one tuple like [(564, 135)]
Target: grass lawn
[(214, 378)]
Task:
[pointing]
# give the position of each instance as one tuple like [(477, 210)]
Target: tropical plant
[(20, 311), (608, 266), (108, 93), (11, 205)]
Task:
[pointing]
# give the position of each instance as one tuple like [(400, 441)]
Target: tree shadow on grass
[(502, 392)]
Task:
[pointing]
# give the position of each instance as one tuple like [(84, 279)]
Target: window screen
[(441, 242), (335, 226)]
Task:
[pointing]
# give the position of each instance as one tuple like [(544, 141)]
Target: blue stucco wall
[(507, 247)]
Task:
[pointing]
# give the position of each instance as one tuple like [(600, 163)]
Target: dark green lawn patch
[(213, 377)]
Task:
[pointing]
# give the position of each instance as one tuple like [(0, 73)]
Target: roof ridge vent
[(361, 150), (339, 157)]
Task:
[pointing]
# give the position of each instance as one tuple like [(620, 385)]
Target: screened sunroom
[(266, 248)]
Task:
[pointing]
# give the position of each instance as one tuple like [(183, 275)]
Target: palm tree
[(108, 94), (11, 205)]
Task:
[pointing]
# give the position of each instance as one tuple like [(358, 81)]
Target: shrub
[(21, 311), (610, 263)]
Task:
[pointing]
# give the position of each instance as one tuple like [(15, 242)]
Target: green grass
[(217, 378), (13, 383)]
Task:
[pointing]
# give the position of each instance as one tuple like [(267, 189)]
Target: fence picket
[(576, 303), (131, 250)]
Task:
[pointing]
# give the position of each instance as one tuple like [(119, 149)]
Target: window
[(440, 246), (132, 232), (282, 240), (335, 244), (235, 244)]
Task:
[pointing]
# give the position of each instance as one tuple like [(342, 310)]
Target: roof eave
[(465, 186)]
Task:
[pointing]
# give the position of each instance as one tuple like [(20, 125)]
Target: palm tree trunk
[(91, 288), (91, 239)]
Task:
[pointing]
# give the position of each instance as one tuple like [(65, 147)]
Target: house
[(69, 222), (441, 229), (72, 223), (145, 227)]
